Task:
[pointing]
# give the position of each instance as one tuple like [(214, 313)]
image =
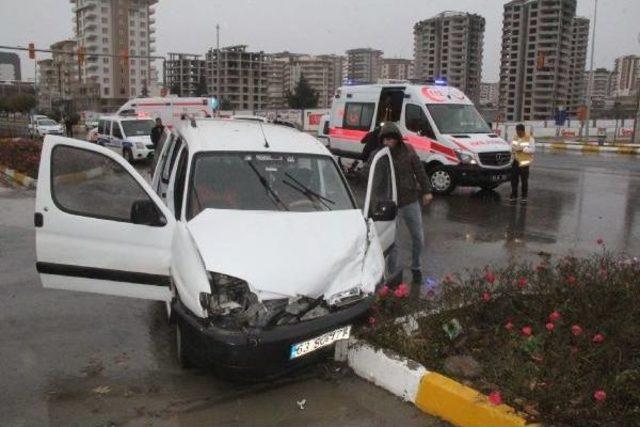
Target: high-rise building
[(397, 69), (543, 51), (450, 46), (489, 93), (578, 60), (600, 81), (58, 76), (186, 74), (364, 65), (121, 28), (323, 74), (238, 77), (626, 75), (9, 66), (340, 68)]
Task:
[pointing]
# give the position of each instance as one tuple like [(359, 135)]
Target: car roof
[(245, 135), (124, 118)]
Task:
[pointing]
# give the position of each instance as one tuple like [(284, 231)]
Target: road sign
[(32, 51)]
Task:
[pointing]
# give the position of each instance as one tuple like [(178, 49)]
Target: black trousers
[(519, 173)]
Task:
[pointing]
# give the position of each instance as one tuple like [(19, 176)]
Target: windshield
[(47, 122), (137, 127), (265, 181), (457, 119)]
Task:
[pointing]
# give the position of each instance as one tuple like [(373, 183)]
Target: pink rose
[(495, 398), (486, 297), (598, 338), (600, 396), (576, 330), (555, 316), (522, 282), (527, 331), (509, 326), (550, 326), (402, 291), (490, 277), (383, 291)]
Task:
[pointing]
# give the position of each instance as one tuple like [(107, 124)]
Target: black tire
[(183, 350), (128, 155), (442, 180)]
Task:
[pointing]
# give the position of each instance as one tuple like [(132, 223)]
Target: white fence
[(621, 130)]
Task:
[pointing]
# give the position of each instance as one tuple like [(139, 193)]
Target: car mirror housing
[(145, 212), (385, 210)]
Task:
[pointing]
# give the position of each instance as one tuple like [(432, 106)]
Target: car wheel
[(442, 180), (182, 348), (128, 155)]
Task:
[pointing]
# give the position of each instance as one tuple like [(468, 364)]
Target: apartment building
[(323, 73), (9, 66), (489, 93), (600, 81), (186, 74), (364, 65), (397, 69), (239, 77), (450, 45), (543, 51), (626, 76), (340, 67), (124, 29)]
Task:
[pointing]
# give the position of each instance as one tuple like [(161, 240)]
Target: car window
[(171, 159), (358, 115), (266, 181), (137, 127), (178, 188), (116, 131), (101, 126), (416, 121), (91, 184), (381, 185)]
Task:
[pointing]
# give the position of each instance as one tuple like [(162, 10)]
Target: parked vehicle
[(455, 144), (42, 125), (248, 232), (170, 109), (127, 136)]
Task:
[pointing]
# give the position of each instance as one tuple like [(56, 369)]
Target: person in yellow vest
[(523, 148)]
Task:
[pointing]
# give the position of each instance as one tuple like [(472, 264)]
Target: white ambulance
[(170, 109), (457, 146)]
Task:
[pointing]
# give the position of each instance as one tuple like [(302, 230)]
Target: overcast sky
[(316, 27)]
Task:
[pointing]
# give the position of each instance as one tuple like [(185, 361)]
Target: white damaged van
[(248, 231)]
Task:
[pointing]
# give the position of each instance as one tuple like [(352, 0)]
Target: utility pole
[(218, 84), (590, 82)]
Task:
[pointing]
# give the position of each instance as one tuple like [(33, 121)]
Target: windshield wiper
[(307, 191), (275, 198)]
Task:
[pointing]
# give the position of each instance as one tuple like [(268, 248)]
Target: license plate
[(316, 343), (496, 178)]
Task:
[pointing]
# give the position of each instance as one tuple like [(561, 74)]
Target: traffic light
[(32, 51), (81, 54)]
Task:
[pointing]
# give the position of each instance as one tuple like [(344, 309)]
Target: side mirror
[(385, 210), (145, 212)]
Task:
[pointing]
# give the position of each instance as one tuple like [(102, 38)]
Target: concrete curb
[(19, 178), (590, 148), (431, 392)]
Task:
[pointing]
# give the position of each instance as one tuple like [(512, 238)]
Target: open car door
[(381, 201), (99, 226)]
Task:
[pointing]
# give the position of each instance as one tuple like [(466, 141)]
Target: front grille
[(496, 158)]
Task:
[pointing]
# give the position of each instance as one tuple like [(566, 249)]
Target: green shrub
[(22, 155)]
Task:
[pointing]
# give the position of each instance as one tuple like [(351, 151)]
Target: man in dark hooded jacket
[(414, 190)]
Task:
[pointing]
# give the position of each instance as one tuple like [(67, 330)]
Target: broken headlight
[(229, 295), (347, 297)]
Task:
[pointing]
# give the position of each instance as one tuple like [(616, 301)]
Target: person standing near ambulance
[(414, 190), (523, 148)]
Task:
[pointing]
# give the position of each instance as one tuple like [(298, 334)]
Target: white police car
[(129, 136)]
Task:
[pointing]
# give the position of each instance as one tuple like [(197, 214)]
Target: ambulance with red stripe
[(455, 143), (169, 108)]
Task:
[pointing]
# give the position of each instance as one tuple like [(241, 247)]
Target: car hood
[(50, 127), (480, 143), (141, 138), (290, 254)]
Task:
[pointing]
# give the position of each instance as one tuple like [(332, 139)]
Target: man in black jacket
[(156, 133), (414, 190)]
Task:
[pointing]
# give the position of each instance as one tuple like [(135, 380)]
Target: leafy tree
[(201, 89), (22, 103), (175, 89), (303, 95)]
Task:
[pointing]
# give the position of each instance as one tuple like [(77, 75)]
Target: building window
[(105, 60), (105, 31), (105, 70), (106, 91), (105, 20), (105, 40)]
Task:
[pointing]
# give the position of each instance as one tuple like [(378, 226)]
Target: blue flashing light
[(440, 82), (214, 103)]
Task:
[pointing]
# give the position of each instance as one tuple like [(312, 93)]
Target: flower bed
[(22, 155), (559, 341)]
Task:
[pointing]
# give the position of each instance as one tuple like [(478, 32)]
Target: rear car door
[(381, 200), (99, 226)]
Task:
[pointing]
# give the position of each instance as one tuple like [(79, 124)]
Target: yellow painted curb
[(626, 150), (558, 146), (461, 405), (591, 148)]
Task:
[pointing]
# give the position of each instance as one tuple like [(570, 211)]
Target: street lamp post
[(590, 82)]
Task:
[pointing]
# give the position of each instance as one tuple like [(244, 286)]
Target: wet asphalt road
[(81, 359)]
